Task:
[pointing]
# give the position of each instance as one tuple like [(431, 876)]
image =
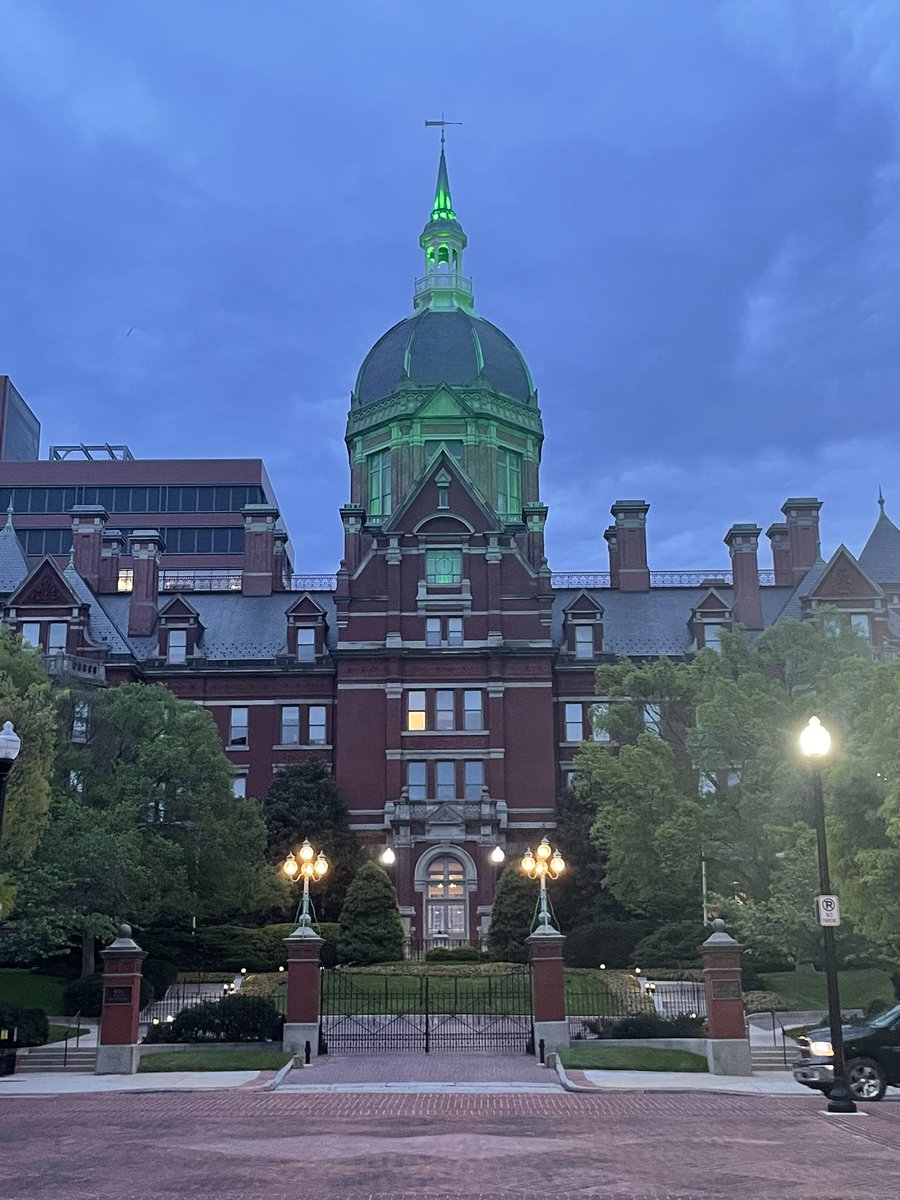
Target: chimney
[(143, 605), (110, 561), (743, 546), (535, 515), (802, 514), (613, 544), (259, 549), (352, 517), (631, 544), (88, 523), (777, 534)]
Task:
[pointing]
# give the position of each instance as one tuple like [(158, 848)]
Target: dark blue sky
[(687, 215)]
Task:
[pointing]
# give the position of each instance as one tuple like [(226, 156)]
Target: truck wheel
[(865, 1079)]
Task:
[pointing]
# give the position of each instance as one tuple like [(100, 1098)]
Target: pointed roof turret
[(881, 554), (443, 285), (443, 205), (13, 563)]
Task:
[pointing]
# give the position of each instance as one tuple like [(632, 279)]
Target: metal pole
[(4, 771), (840, 1100), (703, 886)]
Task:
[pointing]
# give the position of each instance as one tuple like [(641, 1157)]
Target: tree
[(304, 801), (512, 915), (784, 926), (371, 929)]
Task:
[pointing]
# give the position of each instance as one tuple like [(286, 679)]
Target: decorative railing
[(199, 581), (70, 666), (313, 583), (444, 279), (601, 579)]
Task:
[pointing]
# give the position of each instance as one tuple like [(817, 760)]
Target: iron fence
[(593, 1012), (417, 948)]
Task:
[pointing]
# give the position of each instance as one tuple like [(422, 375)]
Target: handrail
[(68, 1035)]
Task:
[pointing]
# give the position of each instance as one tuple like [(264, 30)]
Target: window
[(706, 784), (445, 779), (711, 636), (239, 786), (437, 634), (509, 483), (432, 631), (80, 720), (56, 640), (443, 566), (415, 711), (859, 622), (177, 646), (454, 631), (76, 781), (317, 725), (31, 634), (444, 706), (832, 625), (446, 899), (473, 710), (584, 641), (474, 780), (238, 727), (574, 723), (306, 645), (379, 465), (568, 780), (652, 718), (598, 712), (416, 782), (290, 725)]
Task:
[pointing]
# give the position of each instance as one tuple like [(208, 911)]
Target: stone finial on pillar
[(548, 989), (728, 1050), (120, 1014), (302, 1015)]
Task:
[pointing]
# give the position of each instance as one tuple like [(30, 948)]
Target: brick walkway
[(425, 1068), (264, 1146)]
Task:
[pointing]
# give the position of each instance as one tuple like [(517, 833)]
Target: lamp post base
[(840, 1100)]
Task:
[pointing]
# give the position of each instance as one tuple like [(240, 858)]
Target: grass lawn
[(804, 990), (58, 1033), (214, 1060), (27, 989), (598, 1057)]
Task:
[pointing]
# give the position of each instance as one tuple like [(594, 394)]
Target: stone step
[(55, 1059)]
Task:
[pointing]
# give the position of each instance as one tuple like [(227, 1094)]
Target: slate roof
[(13, 564), (880, 558), (453, 347), (793, 610), (654, 622), (102, 630)]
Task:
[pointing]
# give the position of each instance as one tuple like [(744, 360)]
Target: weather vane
[(443, 124)]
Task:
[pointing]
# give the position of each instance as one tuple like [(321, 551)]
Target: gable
[(178, 607), (305, 606), (843, 579), (464, 502), (443, 403), (45, 587), (712, 602), (584, 603)]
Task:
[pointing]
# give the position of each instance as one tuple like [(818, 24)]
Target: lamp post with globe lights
[(815, 744), (10, 745), (544, 864), (307, 865)]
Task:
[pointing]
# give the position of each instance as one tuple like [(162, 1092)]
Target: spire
[(443, 286), (880, 500), (443, 205), (9, 514)]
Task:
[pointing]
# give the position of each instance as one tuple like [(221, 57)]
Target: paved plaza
[(255, 1145)]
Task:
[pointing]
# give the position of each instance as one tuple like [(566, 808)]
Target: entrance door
[(446, 906)]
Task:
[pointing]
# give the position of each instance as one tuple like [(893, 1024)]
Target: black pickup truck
[(871, 1057)]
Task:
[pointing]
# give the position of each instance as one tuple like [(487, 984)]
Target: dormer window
[(443, 567), (177, 654), (306, 645), (711, 636), (584, 641)]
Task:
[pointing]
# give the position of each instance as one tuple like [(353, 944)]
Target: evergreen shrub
[(330, 932), (609, 942), (231, 1019), (371, 929), (31, 1024), (85, 996), (512, 914), (441, 954), (648, 1025), (160, 974), (673, 945)]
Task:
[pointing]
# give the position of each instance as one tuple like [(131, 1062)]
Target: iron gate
[(370, 1014)]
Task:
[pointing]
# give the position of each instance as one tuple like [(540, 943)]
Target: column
[(728, 1048), (117, 1051), (548, 989), (302, 1016)]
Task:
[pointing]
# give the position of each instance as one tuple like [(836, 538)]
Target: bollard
[(307, 1053), (541, 1051)]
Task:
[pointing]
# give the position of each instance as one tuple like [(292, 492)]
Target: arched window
[(446, 899)]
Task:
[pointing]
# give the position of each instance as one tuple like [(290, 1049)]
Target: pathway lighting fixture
[(603, 966), (544, 864), (387, 857), (243, 970), (308, 865), (10, 745), (815, 743)]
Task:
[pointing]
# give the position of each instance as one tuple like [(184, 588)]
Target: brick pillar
[(88, 524), (548, 989), (802, 513), (535, 515), (743, 546), (259, 549), (302, 1016), (122, 961), (612, 543), (728, 1051), (110, 561), (279, 570), (631, 542), (143, 604), (777, 533)]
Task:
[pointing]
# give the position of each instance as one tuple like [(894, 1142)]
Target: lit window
[(56, 639), (444, 714), (416, 783), (474, 780), (574, 723), (473, 710), (177, 646), (317, 725), (290, 725), (598, 712), (445, 778), (238, 727), (732, 778), (706, 784), (443, 566), (711, 636), (379, 472), (125, 581), (31, 634), (432, 631), (306, 645), (860, 623), (509, 483), (454, 631), (415, 711), (76, 781), (80, 721), (584, 641), (652, 718), (239, 786)]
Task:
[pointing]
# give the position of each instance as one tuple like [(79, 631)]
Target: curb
[(569, 1086), (275, 1083)]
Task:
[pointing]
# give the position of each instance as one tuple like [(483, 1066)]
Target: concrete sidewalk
[(68, 1083), (765, 1083)]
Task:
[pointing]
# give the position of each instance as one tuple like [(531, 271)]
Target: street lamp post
[(10, 745), (310, 866), (815, 743), (544, 864)]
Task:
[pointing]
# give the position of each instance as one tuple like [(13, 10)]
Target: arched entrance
[(446, 900)]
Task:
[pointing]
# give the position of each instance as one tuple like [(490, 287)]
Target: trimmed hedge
[(232, 1019), (648, 1025), (609, 942), (440, 954), (331, 932), (85, 996), (31, 1024)]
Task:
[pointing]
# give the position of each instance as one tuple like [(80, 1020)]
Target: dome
[(451, 346)]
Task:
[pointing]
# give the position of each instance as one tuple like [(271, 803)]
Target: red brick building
[(444, 673)]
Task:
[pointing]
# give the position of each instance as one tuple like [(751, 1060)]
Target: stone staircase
[(81, 1059), (771, 1058)]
